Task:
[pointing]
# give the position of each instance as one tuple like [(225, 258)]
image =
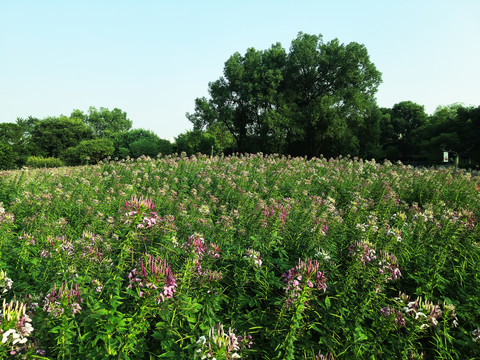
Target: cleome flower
[(221, 344), (198, 251), (253, 257), (365, 253), (304, 276), (5, 217), (5, 283), (422, 312), (155, 278), (139, 212), (15, 324), (63, 299)]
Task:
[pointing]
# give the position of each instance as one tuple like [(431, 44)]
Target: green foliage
[(253, 256), (192, 142), (88, 151), (52, 136), (453, 129), (7, 156), (314, 99), (138, 142), (41, 162), (104, 122)]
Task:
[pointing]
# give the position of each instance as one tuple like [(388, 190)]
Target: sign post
[(445, 156)]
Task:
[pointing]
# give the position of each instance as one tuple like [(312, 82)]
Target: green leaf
[(327, 302), (171, 354)]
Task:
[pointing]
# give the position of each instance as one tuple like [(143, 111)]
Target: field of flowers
[(247, 256)]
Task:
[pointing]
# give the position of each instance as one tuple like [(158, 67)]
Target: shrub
[(41, 162), (88, 151)]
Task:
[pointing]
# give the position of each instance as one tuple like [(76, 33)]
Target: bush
[(88, 151), (41, 162)]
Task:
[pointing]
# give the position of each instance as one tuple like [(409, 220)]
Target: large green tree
[(398, 129), (330, 89), (246, 100), (317, 98), (88, 152), (53, 135), (104, 122), (10, 145), (138, 142), (192, 142)]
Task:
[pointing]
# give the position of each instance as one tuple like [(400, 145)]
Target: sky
[(151, 59)]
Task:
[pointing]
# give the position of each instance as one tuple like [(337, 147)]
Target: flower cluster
[(304, 276), (63, 299), (138, 211), (322, 225), (320, 356), (5, 283), (387, 263), (15, 325), (364, 251), (423, 312), (155, 278), (4, 216), (275, 212), (198, 248), (476, 335), (323, 256), (463, 217), (253, 257), (221, 344)]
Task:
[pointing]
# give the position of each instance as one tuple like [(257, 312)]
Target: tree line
[(80, 138), (317, 98)]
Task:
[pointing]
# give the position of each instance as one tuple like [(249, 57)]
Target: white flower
[(20, 340), (418, 314), (9, 332)]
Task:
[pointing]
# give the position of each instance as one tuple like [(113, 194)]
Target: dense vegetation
[(316, 99), (260, 257)]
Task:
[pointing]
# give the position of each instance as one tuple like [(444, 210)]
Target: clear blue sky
[(153, 58)]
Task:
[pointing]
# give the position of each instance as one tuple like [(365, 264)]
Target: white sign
[(445, 156)]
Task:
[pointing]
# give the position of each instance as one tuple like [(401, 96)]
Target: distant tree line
[(77, 139), (319, 99), (316, 99)]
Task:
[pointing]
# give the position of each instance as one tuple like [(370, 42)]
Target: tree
[(104, 122), (7, 156), (26, 146), (139, 142), (453, 128), (312, 100), (245, 101), (331, 88), (192, 142), (88, 151), (398, 130), (53, 135), (10, 148), (470, 117)]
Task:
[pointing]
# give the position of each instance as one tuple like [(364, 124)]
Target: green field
[(247, 256)]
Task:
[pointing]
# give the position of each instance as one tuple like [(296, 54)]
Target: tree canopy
[(311, 100)]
